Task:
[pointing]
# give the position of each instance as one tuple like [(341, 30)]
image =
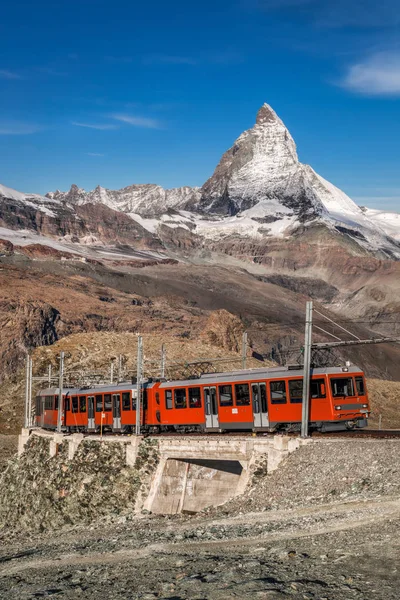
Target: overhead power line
[(340, 327), (324, 330)]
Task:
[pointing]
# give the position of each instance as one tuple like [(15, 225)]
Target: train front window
[(74, 404), (242, 392), (194, 397), (48, 402), (278, 392), (342, 387), (99, 403), (225, 395), (296, 391), (168, 399), (360, 386), (126, 401), (82, 404), (180, 398), (107, 402)]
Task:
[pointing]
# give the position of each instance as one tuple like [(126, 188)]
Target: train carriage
[(247, 400)]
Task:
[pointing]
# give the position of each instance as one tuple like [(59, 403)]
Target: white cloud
[(95, 154), (100, 126), (377, 75), (137, 121), (11, 127), (5, 74)]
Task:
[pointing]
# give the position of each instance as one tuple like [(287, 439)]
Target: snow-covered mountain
[(260, 177), (147, 200), (259, 190), (35, 201), (388, 221)]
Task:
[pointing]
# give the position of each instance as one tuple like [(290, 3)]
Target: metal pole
[(139, 376), (112, 372), (244, 349), (26, 421), (30, 395), (120, 367), (162, 366), (307, 368), (50, 375), (60, 392)]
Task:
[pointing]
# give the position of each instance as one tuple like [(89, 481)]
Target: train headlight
[(338, 407), (365, 405)]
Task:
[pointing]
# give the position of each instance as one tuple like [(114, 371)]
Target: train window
[(144, 399), (296, 391), (158, 398), (67, 404), (82, 404), (134, 395), (180, 398), (48, 402), (74, 404), (242, 392), (195, 397), (126, 401), (99, 403), (38, 406), (278, 392), (55, 402), (360, 386), (168, 399), (342, 387), (263, 394), (225, 395), (317, 388), (107, 402)]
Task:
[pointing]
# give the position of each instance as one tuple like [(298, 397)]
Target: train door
[(91, 424), (260, 407), (42, 409), (116, 410), (210, 401)]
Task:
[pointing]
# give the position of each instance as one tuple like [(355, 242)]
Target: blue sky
[(114, 93)]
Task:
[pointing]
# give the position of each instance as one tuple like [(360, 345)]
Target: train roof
[(206, 378), (103, 389), (257, 374)]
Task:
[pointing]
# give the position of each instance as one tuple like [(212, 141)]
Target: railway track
[(352, 434)]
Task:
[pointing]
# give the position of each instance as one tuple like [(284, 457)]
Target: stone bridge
[(193, 471)]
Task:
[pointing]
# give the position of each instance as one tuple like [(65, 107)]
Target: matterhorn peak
[(266, 114)]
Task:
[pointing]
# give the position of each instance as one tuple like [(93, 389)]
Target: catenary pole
[(162, 365), (119, 368), (60, 392), (307, 369), (244, 349), (30, 393), (139, 376), (27, 390)]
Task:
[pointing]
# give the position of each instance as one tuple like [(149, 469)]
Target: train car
[(247, 400), (266, 400)]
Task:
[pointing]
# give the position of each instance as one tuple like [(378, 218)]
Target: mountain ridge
[(258, 190)]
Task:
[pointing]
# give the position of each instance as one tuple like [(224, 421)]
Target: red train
[(248, 400)]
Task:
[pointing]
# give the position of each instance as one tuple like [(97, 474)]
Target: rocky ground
[(325, 525)]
